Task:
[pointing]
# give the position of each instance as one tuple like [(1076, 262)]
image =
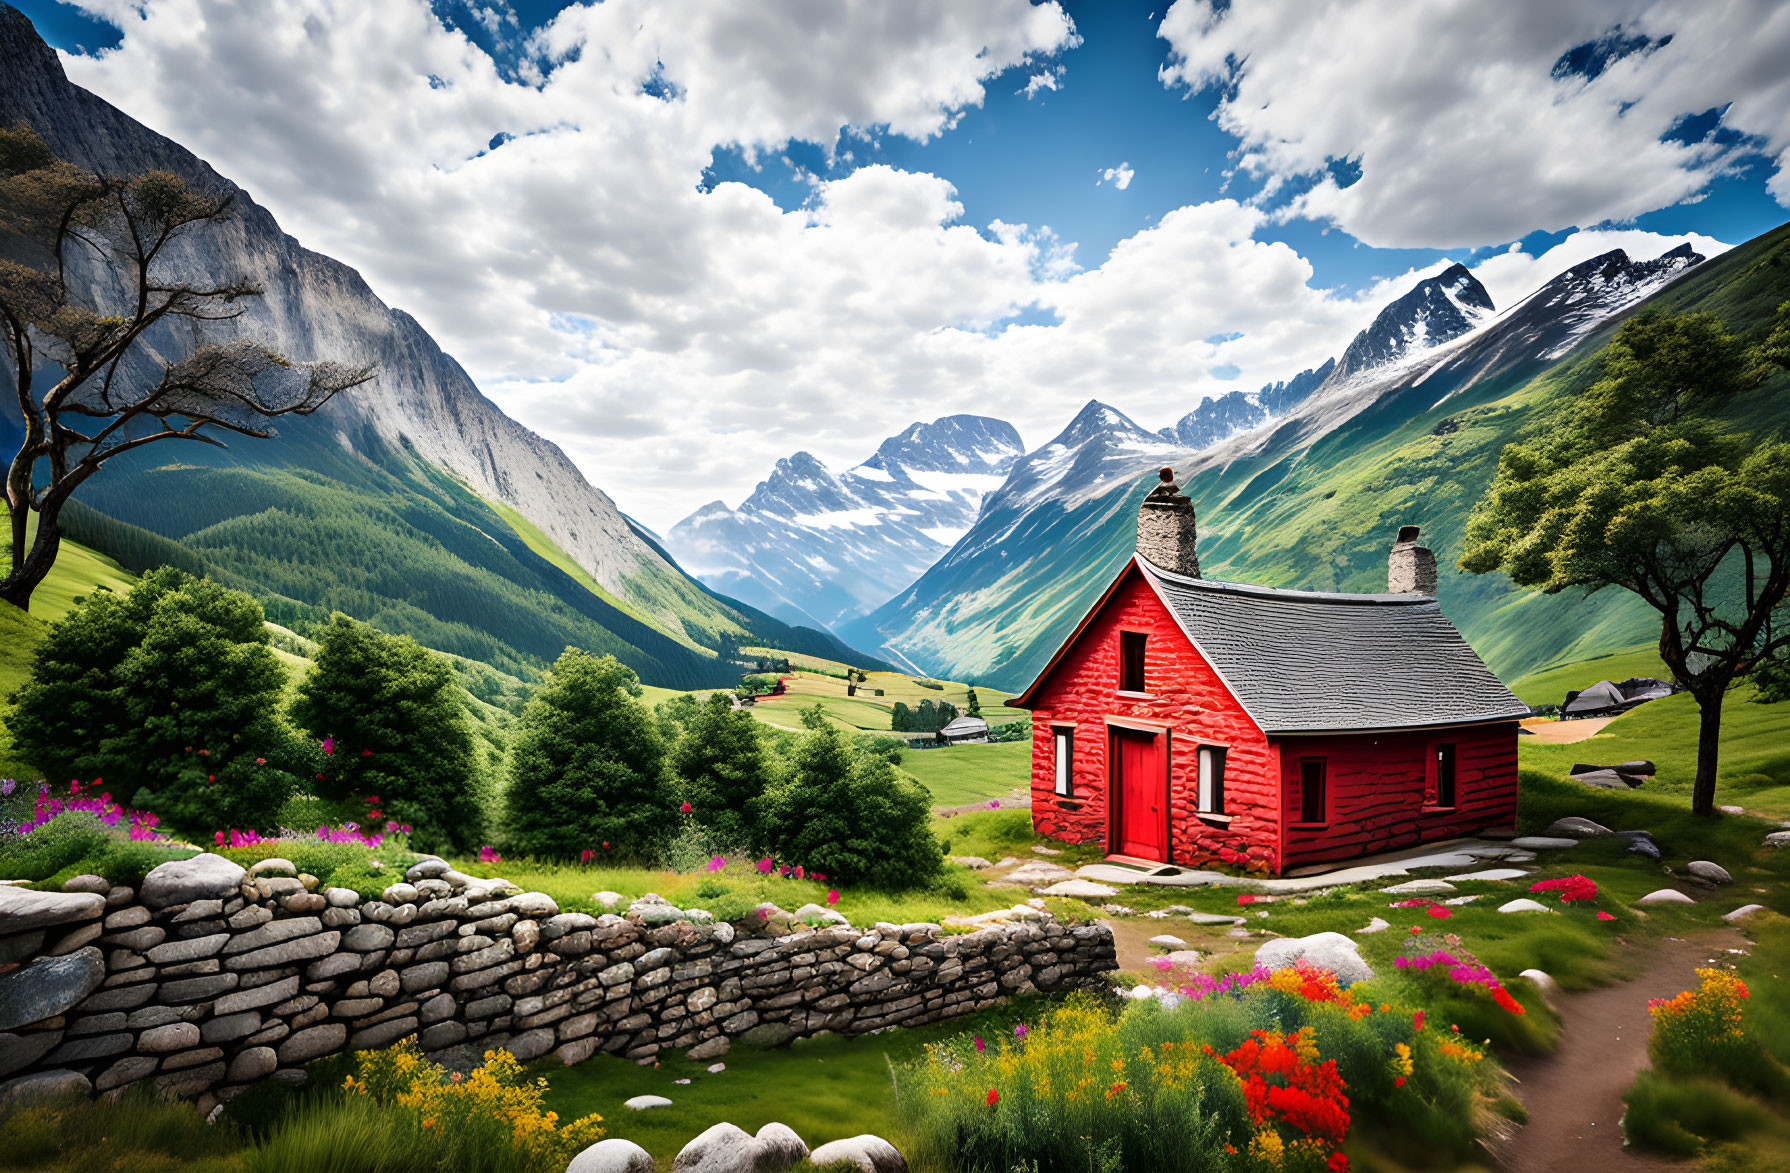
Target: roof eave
[(1463, 723)]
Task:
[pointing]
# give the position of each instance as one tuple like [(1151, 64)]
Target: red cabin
[(1188, 721)]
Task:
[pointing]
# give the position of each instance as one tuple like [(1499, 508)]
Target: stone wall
[(209, 978)]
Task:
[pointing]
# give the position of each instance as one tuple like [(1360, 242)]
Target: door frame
[(1162, 733)]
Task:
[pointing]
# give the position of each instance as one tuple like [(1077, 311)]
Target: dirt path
[(1574, 1096)]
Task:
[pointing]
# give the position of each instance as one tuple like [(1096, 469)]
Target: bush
[(1679, 1115), (396, 733), (138, 1132), (1703, 1032), (171, 695), (720, 763), (64, 840), (846, 814), (587, 770)]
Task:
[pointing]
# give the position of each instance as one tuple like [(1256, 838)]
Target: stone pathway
[(1454, 853), (1574, 1096)]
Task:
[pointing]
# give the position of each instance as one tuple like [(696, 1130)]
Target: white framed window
[(1211, 789), (1064, 762)]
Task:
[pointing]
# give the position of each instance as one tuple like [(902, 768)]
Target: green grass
[(825, 1088), (961, 774), (1753, 770), (1549, 686)]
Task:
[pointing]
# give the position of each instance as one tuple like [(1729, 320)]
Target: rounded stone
[(779, 1148), (1714, 873), (45, 1085), (341, 897), (614, 1155), (273, 866), (871, 1154), (49, 986), (176, 1036), (87, 883), (203, 877), (400, 894), (1665, 896), (646, 1103), (1523, 904), (312, 1042), (1331, 951), (254, 1063), (1574, 827)]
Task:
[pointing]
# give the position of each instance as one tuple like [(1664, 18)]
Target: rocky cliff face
[(422, 402)]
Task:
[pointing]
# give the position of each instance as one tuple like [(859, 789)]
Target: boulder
[(1743, 912), (1778, 839), (614, 1155), (1641, 843), (89, 882), (45, 1085), (779, 1148), (1524, 904), (720, 1148), (1079, 890), (22, 909), (607, 899), (534, 906), (1665, 896), (1574, 827), (1540, 842), (646, 1103), (871, 1154), (203, 877), (1544, 984), (1713, 873), (1167, 943), (1418, 888), (768, 1035), (1331, 951), (711, 1049), (1183, 957), (49, 986)]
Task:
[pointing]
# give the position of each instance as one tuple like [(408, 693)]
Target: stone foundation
[(210, 979)]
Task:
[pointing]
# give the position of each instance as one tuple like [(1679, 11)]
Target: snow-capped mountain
[(1272, 509), (818, 547), (1223, 416), (1437, 310)]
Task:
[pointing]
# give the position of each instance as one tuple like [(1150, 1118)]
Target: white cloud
[(1453, 112), (601, 295), (1119, 177), (1039, 82)]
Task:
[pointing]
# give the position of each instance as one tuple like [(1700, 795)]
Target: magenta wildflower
[(980, 1045), (764, 866), (329, 745), (489, 855), (832, 897), (1020, 1031), (994, 804), (717, 863)]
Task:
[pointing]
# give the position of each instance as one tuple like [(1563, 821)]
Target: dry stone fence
[(209, 978)]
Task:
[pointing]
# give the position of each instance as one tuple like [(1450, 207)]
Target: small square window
[(1131, 661), (1064, 762), (1211, 794)]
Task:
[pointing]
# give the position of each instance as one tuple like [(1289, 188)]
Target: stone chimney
[(1166, 534), (1411, 570)]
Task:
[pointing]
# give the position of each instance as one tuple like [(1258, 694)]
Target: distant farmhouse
[(1188, 721), (964, 731)]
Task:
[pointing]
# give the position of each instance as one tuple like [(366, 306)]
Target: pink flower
[(1245, 898), (980, 1045), (832, 896), (799, 871), (1441, 913), (329, 745), (716, 864), (489, 855), (764, 866), (1020, 1032), (220, 838), (994, 804), (586, 855), (686, 807), (783, 870)]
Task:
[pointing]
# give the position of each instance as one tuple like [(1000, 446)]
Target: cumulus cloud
[(1119, 177), (548, 221), (1470, 123)]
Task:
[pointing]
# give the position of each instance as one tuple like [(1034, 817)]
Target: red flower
[(1502, 997), (798, 871), (260, 761), (686, 807), (1417, 1020), (1602, 915), (993, 1097), (1245, 898), (1340, 1163), (1398, 1081), (1441, 913)]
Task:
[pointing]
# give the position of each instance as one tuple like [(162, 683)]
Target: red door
[(1141, 790)]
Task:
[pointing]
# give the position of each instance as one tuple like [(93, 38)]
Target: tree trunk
[(28, 572), (1709, 734)]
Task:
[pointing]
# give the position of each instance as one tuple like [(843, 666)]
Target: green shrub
[(720, 762), (392, 712), (138, 1133), (588, 766), (1680, 1114), (66, 839), (847, 815)]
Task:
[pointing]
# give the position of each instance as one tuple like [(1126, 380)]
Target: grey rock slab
[(1542, 842), (1743, 912), (1376, 925), (1715, 873), (646, 1103), (287, 952), (170, 952), (49, 986), (312, 1042), (18, 1052), (1418, 888), (1167, 943), (1574, 827), (1331, 951), (260, 996), (203, 877), (1665, 896), (22, 909), (1492, 874), (272, 933), (871, 1154), (1778, 839), (252, 1064), (614, 1155), (44, 1085), (176, 1036), (1079, 890), (367, 938), (127, 1070), (1035, 873)]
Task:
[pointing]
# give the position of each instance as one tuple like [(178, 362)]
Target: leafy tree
[(170, 694), (720, 762), (975, 705), (84, 274), (391, 714), (588, 765), (845, 813), (901, 718), (1637, 487)]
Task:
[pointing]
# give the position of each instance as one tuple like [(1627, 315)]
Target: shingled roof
[(1310, 662)]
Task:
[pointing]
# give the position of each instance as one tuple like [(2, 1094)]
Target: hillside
[(392, 494), (1313, 500)]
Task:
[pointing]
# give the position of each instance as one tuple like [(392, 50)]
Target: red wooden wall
[(1188, 702), (1377, 782)]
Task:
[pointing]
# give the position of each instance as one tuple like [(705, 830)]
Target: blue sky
[(782, 221)]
